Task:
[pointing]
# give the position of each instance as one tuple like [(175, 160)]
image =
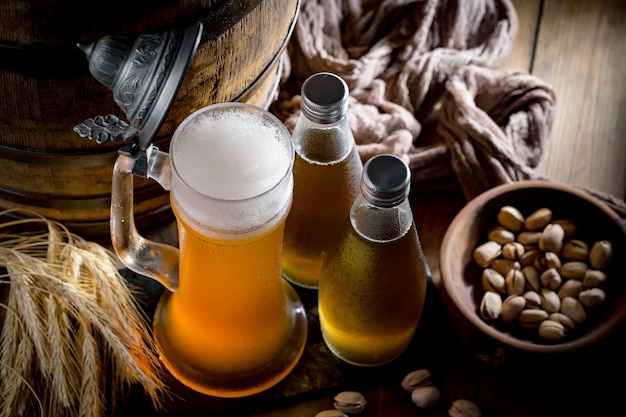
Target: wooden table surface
[(579, 48)]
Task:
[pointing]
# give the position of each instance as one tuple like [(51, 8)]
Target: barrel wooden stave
[(46, 167)]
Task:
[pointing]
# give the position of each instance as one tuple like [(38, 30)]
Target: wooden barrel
[(46, 89)]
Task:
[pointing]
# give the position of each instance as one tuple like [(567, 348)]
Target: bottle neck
[(381, 224), (323, 142)]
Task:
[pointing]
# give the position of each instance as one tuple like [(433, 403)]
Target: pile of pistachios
[(538, 273), (426, 395), (423, 394)]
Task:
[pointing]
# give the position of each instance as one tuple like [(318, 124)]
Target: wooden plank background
[(579, 47)]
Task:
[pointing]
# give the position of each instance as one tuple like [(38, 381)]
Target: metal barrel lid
[(145, 75)]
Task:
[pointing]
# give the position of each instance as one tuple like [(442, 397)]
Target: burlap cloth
[(424, 85)]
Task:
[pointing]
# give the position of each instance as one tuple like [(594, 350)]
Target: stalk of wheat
[(72, 339)]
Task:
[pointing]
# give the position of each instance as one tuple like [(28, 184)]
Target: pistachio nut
[(550, 278), (511, 218), (568, 226), (573, 309), (416, 379), (529, 256), (573, 270), (550, 300), (500, 235), (511, 307), (551, 239), (568, 324), (350, 402), (538, 219), (528, 238), (491, 305), (600, 254), (330, 413), (492, 280), (592, 297), (515, 282), (552, 260), (593, 278), (575, 250), (503, 266), (533, 299), (540, 262), (464, 408), (512, 250), (425, 397), (486, 253), (570, 288), (531, 274), (531, 319), (552, 330)]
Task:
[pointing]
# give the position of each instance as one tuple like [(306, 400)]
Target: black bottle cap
[(386, 180), (324, 98)]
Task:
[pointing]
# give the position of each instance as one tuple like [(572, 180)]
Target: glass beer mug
[(229, 326)]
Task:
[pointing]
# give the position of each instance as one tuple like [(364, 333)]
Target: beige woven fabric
[(424, 85)]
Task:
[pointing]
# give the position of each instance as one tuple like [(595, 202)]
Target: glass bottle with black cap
[(373, 282), (327, 172)]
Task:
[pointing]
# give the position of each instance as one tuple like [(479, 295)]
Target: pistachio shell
[(533, 299), (531, 319), (511, 307), (492, 280), (550, 278), (573, 270), (529, 238), (512, 250), (416, 379), (551, 239), (592, 297), (350, 402), (464, 408), (572, 308), (528, 257), (538, 219), (511, 218), (515, 282), (550, 301), (552, 330), (552, 260), (500, 235), (600, 254), (425, 397), (531, 274), (593, 278), (491, 305), (503, 266), (486, 253), (568, 324), (569, 227), (575, 250), (570, 288)]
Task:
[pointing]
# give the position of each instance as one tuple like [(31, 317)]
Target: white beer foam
[(237, 159), (231, 155)]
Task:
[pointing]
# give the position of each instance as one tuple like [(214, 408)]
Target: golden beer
[(323, 195), (232, 326), (379, 294)]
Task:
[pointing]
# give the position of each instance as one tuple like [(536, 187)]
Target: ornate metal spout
[(144, 74)]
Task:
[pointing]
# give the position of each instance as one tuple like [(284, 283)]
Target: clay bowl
[(461, 276)]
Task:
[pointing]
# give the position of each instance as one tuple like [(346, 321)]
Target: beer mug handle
[(152, 259)]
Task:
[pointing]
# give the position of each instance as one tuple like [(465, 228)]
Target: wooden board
[(581, 52)]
